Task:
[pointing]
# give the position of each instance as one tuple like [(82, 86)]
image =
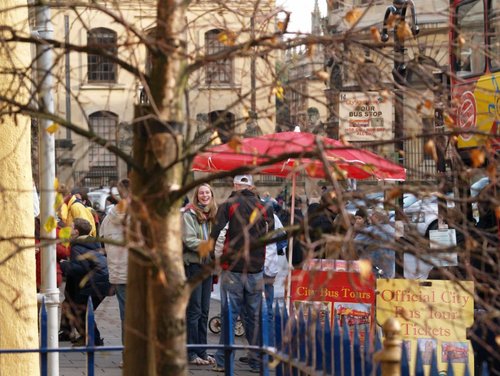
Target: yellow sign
[(479, 111), (434, 315)]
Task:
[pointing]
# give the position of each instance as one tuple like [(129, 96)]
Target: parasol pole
[(290, 242)]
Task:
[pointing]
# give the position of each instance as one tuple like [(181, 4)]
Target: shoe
[(80, 341), (243, 359), (209, 358), (217, 368), (64, 337), (197, 361)]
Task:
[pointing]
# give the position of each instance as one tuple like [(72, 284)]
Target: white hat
[(243, 180)]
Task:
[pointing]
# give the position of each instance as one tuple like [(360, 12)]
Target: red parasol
[(348, 161)]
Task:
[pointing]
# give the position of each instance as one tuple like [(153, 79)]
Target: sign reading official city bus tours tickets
[(365, 116), (434, 316), (335, 287)]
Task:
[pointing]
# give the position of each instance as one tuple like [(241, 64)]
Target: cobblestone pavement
[(108, 363)]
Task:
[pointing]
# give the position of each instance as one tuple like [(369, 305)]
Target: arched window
[(100, 67), (224, 123), (104, 124), (221, 70)]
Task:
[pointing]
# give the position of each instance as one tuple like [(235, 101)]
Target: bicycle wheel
[(215, 324)]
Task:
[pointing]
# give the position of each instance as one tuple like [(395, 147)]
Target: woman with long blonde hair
[(198, 218)]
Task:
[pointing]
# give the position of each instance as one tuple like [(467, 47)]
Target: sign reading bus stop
[(365, 116)]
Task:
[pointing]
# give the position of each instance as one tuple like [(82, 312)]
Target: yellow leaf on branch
[(50, 224), (65, 233), (52, 128), (253, 216)]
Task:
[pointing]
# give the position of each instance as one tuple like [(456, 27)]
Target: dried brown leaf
[(477, 157), (403, 31), (393, 193), (353, 15), (235, 143), (430, 149), (375, 33), (322, 75), (205, 247)]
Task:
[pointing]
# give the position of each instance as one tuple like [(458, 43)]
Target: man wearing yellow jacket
[(74, 208)]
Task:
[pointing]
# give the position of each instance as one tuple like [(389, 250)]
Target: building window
[(494, 42), (104, 124), (101, 68), (224, 123), (469, 46), (221, 70)]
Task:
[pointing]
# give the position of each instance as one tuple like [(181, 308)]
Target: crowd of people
[(249, 234)]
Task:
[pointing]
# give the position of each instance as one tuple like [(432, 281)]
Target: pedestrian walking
[(242, 261), (113, 228), (198, 217)]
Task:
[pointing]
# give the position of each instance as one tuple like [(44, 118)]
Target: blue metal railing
[(302, 346)]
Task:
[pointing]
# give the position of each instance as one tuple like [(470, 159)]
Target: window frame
[(101, 69), (222, 70), (458, 50), (97, 153)]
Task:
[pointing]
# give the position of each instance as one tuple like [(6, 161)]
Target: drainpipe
[(67, 76), (45, 62)]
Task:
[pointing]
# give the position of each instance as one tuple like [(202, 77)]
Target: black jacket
[(87, 270), (249, 220)]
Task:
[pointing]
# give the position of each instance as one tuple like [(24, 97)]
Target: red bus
[(475, 73)]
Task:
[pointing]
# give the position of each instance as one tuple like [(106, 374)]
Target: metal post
[(67, 76), (398, 9), (47, 177), (390, 356)]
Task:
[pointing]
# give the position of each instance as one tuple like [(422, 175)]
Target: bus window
[(494, 42), (470, 48)]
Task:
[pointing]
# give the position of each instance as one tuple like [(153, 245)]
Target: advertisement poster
[(365, 116), (345, 294), (434, 315)]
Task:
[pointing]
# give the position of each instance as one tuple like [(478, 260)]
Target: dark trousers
[(197, 312), (78, 307)]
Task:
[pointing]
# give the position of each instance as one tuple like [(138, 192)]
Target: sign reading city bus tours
[(335, 287)]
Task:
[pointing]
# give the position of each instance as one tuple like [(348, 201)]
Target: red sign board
[(346, 294)]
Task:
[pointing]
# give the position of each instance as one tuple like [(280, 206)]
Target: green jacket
[(193, 234)]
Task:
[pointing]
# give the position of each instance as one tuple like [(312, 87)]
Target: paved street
[(108, 320), (107, 363)]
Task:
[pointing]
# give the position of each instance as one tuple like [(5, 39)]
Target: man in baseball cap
[(242, 278), (243, 180)]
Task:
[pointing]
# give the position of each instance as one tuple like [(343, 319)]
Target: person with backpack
[(242, 261)]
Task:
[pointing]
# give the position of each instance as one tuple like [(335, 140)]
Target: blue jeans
[(120, 291), (269, 293), (244, 292), (197, 312)]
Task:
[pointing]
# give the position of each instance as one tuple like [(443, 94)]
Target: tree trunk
[(18, 306), (155, 327)]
